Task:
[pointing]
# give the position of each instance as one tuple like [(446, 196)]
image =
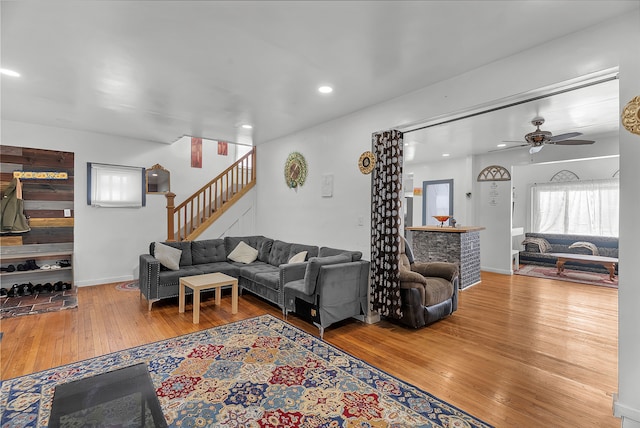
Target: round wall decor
[(367, 162), (631, 116), (295, 170)]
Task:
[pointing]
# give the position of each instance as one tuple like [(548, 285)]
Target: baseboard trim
[(104, 281), (623, 411)]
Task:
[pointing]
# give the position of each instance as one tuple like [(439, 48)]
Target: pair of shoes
[(10, 268), (64, 263)]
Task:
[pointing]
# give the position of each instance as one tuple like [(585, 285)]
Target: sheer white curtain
[(579, 207)]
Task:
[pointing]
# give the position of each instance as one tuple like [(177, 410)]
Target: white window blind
[(115, 186), (579, 207)]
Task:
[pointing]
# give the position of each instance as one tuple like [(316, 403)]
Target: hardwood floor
[(520, 351)]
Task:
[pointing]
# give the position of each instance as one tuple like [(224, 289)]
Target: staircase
[(193, 216)]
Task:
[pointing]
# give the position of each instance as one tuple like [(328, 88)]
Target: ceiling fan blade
[(509, 148), (564, 136), (573, 142)]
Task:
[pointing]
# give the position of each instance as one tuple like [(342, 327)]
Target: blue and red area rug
[(260, 372)]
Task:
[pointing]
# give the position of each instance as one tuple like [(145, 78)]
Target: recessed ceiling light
[(8, 72), (502, 145), (445, 155), (325, 89), (247, 126)]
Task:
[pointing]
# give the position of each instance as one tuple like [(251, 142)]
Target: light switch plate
[(67, 212)]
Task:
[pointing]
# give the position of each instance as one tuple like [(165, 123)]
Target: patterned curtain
[(386, 212)]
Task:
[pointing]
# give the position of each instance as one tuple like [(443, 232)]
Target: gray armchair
[(328, 290)]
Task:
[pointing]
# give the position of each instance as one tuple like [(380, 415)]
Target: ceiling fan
[(538, 138)]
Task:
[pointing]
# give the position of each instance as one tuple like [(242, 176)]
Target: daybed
[(538, 246), (264, 276)]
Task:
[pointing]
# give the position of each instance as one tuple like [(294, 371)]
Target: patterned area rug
[(38, 303), (128, 286), (592, 278), (260, 372)]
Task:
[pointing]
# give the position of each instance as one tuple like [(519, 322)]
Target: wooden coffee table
[(608, 262), (206, 282)]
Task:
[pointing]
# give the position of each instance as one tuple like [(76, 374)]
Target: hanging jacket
[(12, 210)]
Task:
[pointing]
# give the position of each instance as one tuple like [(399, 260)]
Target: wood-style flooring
[(519, 352)]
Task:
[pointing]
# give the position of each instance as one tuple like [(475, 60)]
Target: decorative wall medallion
[(631, 116), (295, 170), (367, 162)]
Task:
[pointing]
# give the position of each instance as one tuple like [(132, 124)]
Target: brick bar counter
[(459, 245)]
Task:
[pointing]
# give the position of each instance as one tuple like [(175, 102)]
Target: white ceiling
[(157, 70)]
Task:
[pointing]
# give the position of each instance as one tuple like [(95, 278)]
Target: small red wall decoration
[(196, 152), (223, 148)]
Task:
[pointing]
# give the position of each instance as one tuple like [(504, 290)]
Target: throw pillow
[(543, 244), (298, 258), (168, 256), (588, 245), (243, 253)]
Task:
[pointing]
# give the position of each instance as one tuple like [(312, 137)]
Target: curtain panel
[(386, 218), (577, 207)]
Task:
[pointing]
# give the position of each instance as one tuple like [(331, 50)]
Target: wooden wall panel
[(44, 200)]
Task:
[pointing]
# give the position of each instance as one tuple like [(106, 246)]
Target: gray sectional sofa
[(264, 277)]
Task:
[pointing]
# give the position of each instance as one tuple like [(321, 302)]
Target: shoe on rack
[(47, 288), (10, 268), (22, 267), (68, 286), (38, 288), (26, 289), (13, 292), (3, 292), (58, 286), (31, 264), (64, 263)]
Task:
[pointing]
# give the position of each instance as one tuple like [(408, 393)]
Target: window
[(115, 186), (581, 207)]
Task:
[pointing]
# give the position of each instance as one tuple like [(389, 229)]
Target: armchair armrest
[(448, 271), (290, 272), (411, 276), (149, 276)]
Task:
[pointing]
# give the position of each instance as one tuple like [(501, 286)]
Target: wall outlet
[(67, 212)]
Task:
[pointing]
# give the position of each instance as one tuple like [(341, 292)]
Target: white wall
[(108, 241), (335, 147), (627, 404)]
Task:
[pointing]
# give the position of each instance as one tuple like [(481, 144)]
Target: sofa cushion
[(326, 251), (542, 244), (312, 250), (172, 277), (208, 251), (243, 253), (279, 253), (584, 247), (185, 246), (313, 268), (168, 256), (298, 258), (223, 267), (268, 279), (250, 271), (258, 242)]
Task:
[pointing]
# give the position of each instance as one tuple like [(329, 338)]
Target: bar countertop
[(461, 229)]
